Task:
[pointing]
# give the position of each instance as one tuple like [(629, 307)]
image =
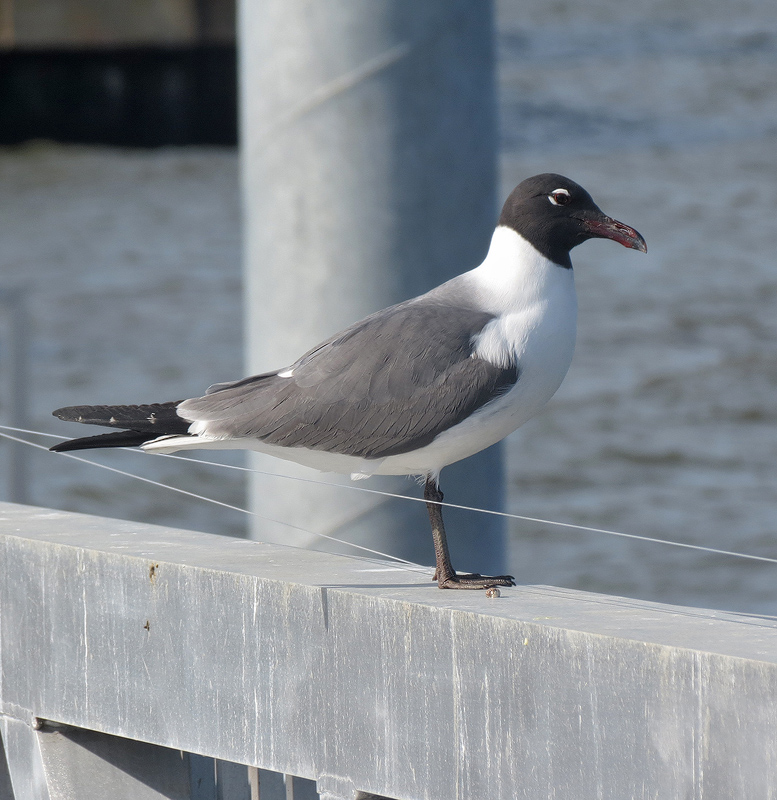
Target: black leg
[(445, 574)]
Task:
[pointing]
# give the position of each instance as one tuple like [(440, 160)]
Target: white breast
[(536, 307)]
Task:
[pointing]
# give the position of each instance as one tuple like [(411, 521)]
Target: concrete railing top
[(713, 631), (364, 676)]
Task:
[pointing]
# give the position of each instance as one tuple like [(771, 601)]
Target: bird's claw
[(474, 580)]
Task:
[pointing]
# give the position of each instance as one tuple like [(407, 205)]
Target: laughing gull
[(416, 386)]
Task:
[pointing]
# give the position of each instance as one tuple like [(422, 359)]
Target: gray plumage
[(387, 385)]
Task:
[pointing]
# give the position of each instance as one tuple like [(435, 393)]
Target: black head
[(555, 214)]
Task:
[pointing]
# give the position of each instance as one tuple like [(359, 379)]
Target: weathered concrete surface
[(362, 675)]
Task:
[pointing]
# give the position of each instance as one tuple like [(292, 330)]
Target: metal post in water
[(368, 144)]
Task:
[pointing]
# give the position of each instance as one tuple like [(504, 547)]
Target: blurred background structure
[(665, 424), (122, 73)]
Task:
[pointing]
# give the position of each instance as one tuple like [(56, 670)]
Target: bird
[(416, 386)]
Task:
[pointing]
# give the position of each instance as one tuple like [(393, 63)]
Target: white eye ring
[(556, 195)]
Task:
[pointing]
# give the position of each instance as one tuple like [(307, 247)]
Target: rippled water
[(665, 426)]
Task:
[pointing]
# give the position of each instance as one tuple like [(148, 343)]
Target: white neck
[(514, 275)]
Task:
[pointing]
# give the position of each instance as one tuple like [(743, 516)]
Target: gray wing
[(387, 385)]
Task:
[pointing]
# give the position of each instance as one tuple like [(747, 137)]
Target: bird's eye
[(559, 197)]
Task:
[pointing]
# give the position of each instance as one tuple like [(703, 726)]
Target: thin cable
[(36, 433), (503, 514), (404, 563)]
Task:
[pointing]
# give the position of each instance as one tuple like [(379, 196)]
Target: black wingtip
[(62, 447), (114, 439)]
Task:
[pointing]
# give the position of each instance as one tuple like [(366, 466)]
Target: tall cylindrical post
[(368, 141)]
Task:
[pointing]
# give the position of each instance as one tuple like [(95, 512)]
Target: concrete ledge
[(366, 677)]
